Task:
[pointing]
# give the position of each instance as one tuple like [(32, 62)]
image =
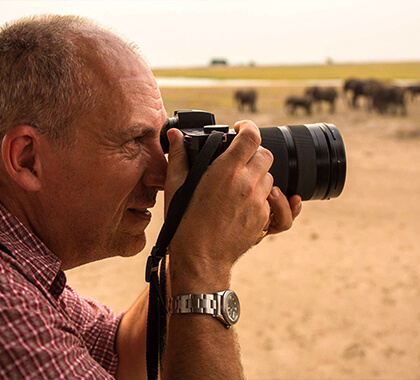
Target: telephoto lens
[(309, 159)]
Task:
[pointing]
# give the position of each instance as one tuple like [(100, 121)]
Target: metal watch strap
[(196, 303), (212, 304)]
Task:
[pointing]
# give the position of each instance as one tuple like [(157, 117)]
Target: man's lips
[(142, 210)]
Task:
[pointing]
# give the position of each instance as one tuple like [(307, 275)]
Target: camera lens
[(309, 159)]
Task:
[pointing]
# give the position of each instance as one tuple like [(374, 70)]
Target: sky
[(187, 33)]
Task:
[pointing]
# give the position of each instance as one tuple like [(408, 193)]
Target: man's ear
[(20, 153)]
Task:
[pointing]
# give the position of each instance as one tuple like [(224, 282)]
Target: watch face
[(231, 308)]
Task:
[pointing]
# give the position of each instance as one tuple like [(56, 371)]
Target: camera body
[(196, 126), (309, 159)]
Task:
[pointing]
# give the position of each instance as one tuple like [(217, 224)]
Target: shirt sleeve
[(96, 324), (41, 340)]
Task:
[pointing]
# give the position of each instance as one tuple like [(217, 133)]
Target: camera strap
[(157, 311)]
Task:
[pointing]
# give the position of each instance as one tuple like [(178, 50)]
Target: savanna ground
[(337, 296)]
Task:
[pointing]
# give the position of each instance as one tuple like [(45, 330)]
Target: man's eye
[(136, 140)]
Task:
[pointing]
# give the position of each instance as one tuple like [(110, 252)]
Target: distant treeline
[(379, 71)]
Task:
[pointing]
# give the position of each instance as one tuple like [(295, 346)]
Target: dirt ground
[(337, 296)]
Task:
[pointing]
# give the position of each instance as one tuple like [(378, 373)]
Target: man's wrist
[(197, 276)]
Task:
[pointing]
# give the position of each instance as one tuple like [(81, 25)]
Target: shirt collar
[(38, 262)]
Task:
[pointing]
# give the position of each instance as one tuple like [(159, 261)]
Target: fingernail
[(275, 192), (170, 136)]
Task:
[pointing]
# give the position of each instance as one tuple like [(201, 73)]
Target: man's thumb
[(177, 161), (177, 165), (177, 154)]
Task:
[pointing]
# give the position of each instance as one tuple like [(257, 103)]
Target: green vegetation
[(382, 71)]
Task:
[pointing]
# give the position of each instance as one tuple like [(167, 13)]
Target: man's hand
[(233, 203)]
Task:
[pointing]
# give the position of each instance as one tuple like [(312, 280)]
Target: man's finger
[(282, 212), (245, 143), (295, 202), (261, 162)]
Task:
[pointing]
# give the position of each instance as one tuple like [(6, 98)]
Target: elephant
[(414, 90), (358, 88), (387, 98), (319, 94), (246, 98), (294, 102)]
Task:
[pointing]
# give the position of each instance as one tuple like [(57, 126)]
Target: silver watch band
[(223, 305), (196, 303)]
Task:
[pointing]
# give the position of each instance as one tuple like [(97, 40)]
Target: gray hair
[(45, 80)]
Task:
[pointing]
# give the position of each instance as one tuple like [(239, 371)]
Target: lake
[(209, 82)]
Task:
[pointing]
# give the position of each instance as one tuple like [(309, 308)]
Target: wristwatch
[(222, 305)]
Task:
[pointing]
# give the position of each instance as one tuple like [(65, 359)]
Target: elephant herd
[(378, 96)]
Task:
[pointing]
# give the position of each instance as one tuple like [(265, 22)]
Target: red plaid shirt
[(48, 331)]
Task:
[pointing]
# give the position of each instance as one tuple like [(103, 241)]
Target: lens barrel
[(309, 159)]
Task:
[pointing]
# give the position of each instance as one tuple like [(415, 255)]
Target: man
[(80, 117)]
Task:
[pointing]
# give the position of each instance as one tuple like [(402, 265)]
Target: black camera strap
[(157, 311)]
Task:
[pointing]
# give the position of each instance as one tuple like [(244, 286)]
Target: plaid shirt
[(48, 331)]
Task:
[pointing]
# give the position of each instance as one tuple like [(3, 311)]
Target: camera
[(309, 159)]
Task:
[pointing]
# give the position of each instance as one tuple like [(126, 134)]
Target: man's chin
[(133, 248), (130, 253)]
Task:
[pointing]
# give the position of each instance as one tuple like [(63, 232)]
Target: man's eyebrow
[(139, 130)]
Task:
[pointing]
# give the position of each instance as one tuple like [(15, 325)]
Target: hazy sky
[(191, 32)]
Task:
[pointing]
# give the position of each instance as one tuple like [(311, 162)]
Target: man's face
[(97, 195)]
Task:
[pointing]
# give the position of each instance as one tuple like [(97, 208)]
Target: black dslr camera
[(309, 159)]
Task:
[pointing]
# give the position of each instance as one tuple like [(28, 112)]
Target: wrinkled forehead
[(142, 98), (141, 87), (140, 92)]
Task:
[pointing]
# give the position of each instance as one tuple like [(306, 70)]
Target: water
[(209, 82)]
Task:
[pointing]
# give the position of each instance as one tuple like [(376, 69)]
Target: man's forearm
[(131, 341), (200, 347)]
